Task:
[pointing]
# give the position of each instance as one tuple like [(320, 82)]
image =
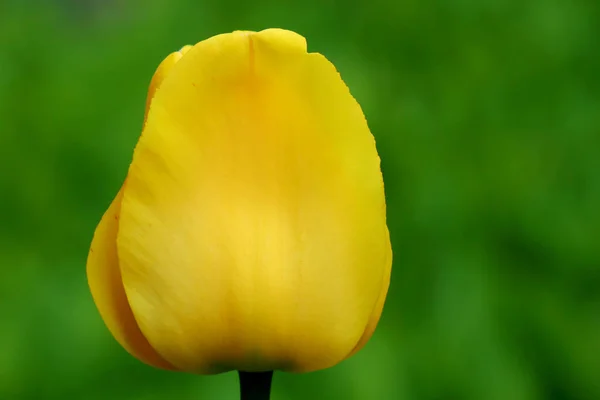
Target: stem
[(255, 385)]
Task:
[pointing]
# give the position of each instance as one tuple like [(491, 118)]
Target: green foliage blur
[(487, 119)]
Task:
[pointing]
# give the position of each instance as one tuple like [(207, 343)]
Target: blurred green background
[(487, 118)]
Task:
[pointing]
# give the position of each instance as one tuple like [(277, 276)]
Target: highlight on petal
[(253, 231), (104, 279)]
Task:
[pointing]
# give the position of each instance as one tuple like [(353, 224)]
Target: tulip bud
[(250, 233)]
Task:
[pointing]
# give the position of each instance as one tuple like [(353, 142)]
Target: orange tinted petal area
[(104, 279)]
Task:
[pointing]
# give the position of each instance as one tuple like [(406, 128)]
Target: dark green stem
[(255, 385)]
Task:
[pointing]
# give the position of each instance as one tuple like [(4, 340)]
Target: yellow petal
[(105, 283), (253, 232), (161, 72), (377, 310)]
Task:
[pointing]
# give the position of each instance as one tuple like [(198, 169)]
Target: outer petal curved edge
[(106, 286)]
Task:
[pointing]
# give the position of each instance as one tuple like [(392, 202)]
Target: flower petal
[(377, 310), (161, 72), (104, 279), (253, 232)]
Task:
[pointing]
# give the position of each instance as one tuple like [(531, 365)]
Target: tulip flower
[(250, 233)]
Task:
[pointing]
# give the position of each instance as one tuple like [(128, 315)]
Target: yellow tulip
[(250, 233)]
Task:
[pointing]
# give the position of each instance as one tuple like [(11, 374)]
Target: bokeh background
[(487, 118)]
